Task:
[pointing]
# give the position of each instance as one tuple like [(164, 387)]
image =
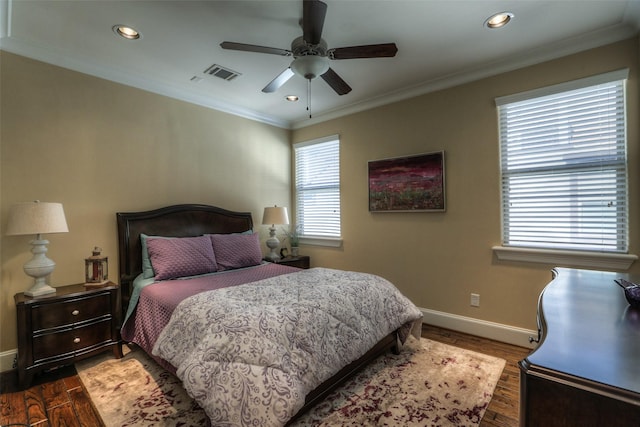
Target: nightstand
[(61, 328), (300, 261)]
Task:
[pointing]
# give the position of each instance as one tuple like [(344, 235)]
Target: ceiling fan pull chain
[(309, 97)]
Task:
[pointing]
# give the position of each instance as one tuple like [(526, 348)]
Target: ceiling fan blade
[(275, 84), (335, 81), (253, 48), (385, 50), (313, 13)]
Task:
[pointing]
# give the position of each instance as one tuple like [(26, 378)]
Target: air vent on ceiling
[(222, 72)]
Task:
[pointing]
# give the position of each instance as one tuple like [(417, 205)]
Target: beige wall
[(439, 259), (100, 148)]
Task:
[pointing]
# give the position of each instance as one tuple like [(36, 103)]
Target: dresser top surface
[(589, 329), (68, 291)]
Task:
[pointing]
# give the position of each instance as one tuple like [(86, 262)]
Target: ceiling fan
[(310, 52)]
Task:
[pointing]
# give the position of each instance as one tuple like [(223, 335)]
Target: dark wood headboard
[(171, 221)]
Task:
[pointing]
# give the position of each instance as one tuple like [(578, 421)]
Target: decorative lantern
[(96, 267)]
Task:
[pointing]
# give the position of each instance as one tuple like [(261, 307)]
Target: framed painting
[(407, 184)]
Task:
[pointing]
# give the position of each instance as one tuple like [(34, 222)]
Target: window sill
[(329, 242), (599, 260)]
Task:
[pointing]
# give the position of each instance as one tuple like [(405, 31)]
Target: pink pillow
[(236, 250), (179, 257)]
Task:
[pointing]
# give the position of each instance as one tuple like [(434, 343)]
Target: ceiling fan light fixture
[(498, 20), (127, 32), (310, 66), (291, 98)]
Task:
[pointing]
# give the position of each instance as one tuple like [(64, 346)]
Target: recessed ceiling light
[(292, 98), (126, 32), (498, 20)]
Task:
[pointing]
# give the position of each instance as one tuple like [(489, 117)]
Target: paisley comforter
[(250, 354)]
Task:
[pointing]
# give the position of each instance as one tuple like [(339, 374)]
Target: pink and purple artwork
[(407, 184)]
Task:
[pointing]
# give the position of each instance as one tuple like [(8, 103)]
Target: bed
[(289, 342)]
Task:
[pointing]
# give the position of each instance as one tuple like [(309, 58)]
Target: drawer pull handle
[(75, 312), (76, 340)]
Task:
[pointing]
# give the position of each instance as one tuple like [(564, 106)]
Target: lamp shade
[(275, 215), (36, 218)]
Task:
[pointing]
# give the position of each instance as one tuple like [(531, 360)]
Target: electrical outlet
[(475, 300)]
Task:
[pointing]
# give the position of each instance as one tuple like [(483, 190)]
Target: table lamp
[(274, 215), (37, 218)]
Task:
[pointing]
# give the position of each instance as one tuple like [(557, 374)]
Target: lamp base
[(272, 243), (272, 256), (40, 289), (39, 267)]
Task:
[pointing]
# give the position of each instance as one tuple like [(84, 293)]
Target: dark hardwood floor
[(58, 398), (55, 399)]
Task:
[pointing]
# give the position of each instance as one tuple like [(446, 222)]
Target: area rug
[(428, 384)]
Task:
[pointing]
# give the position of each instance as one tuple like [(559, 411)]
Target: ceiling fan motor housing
[(310, 60), (301, 48)]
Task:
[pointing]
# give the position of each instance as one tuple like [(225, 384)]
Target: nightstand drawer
[(67, 342), (51, 315)]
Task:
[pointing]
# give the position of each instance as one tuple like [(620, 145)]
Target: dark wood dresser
[(60, 328), (586, 369)]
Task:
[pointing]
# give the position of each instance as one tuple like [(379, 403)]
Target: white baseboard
[(6, 360), (481, 328)]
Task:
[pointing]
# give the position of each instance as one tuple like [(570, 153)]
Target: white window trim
[(599, 260), (564, 87), (317, 140), (321, 241), (329, 242)]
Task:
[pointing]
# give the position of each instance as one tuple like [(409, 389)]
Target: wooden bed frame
[(171, 221), (190, 220)]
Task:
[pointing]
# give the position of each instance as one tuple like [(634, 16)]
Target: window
[(317, 179), (564, 167)]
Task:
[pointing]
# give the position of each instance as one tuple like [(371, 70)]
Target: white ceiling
[(440, 43)]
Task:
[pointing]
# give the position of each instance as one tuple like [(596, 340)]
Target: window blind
[(317, 178), (564, 169)]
